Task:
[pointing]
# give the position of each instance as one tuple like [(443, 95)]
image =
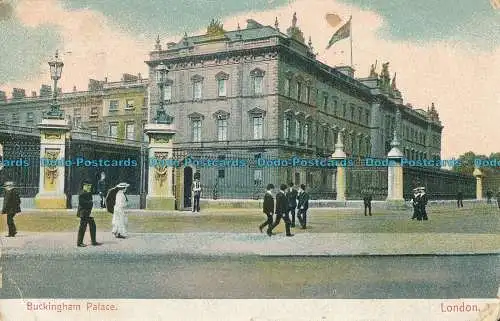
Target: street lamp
[(56, 67), (161, 80)]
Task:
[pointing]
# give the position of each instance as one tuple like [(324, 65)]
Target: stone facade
[(257, 77)]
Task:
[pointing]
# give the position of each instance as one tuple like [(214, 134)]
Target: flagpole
[(350, 19)]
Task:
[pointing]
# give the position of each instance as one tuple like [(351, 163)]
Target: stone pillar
[(52, 158), (395, 170), (340, 156), (478, 174), (160, 181)]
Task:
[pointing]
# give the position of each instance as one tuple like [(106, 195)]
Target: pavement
[(240, 244)]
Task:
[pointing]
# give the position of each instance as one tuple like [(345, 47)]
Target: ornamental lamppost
[(56, 67), (161, 80)]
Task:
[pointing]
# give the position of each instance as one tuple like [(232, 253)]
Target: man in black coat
[(303, 206), (414, 201), (85, 204), (422, 202), (291, 196), (282, 211), (268, 209), (460, 198), (367, 200), (11, 206)]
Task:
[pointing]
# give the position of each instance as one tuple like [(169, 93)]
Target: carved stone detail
[(51, 170), (161, 169)]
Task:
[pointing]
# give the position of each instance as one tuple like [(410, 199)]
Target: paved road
[(108, 275)]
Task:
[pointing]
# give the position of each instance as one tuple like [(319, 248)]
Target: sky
[(446, 52)]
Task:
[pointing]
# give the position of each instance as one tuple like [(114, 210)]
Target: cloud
[(6, 10)]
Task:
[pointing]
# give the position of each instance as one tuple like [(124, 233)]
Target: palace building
[(259, 92)]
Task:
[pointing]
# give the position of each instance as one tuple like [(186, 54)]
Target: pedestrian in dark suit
[(367, 200), (303, 206), (422, 202), (498, 198), (460, 198), (85, 204), (11, 206), (101, 189), (291, 196), (282, 211), (268, 208), (415, 203), (489, 195)]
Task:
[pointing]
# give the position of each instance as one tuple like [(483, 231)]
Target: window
[(196, 125), (287, 87), (257, 127), (78, 112), (197, 89), (113, 105), (297, 178), (257, 85), (344, 110), (335, 102), (299, 91), (326, 138), (306, 134), (325, 102), (94, 112), (129, 104), (308, 94), (352, 113), (367, 118), (167, 93), (288, 174), (29, 117), (145, 136), (2, 120), (309, 178), (222, 129), (298, 132), (360, 115), (257, 176), (77, 122), (113, 130), (221, 87), (286, 128), (130, 131), (94, 131), (222, 172)]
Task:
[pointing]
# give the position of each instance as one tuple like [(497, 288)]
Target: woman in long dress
[(120, 219)]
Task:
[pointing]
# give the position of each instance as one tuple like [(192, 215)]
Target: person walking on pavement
[(268, 207), (85, 205), (282, 211), (489, 195), (460, 198), (422, 201), (415, 203), (303, 206), (367, 200), (498, 198), (120, 219), (291, 196), (196, 195), (101, 189), (11, 206)]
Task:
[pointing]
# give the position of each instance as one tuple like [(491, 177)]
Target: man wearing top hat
[(85, 204), (414, 202), (11, 206), (422, 202)]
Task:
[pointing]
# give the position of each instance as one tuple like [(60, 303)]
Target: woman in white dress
[(120, 219)]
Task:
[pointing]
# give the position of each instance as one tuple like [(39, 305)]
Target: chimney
[(105, 80), (74, 89), (18, 93), (45, 91), (139, 76), (95, 85), (346, 70), (33, 94), (129, 78), (3, 96)]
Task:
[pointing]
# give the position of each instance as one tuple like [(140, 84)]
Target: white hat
[(123, 185), (9, 183)]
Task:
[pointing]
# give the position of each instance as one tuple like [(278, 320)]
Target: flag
[(342, 33), (495, 4)]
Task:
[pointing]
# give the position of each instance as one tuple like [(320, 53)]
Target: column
[(339, 156), (160, 183), (395, 169), (478, 174), (52, 164)]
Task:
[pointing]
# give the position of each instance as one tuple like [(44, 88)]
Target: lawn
[(443, 219)]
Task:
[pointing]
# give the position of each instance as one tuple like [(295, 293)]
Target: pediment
[(288, 112), (221, 75), (257, 72), (221, 114), (197, 78), (196, 115), (257, 111)]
